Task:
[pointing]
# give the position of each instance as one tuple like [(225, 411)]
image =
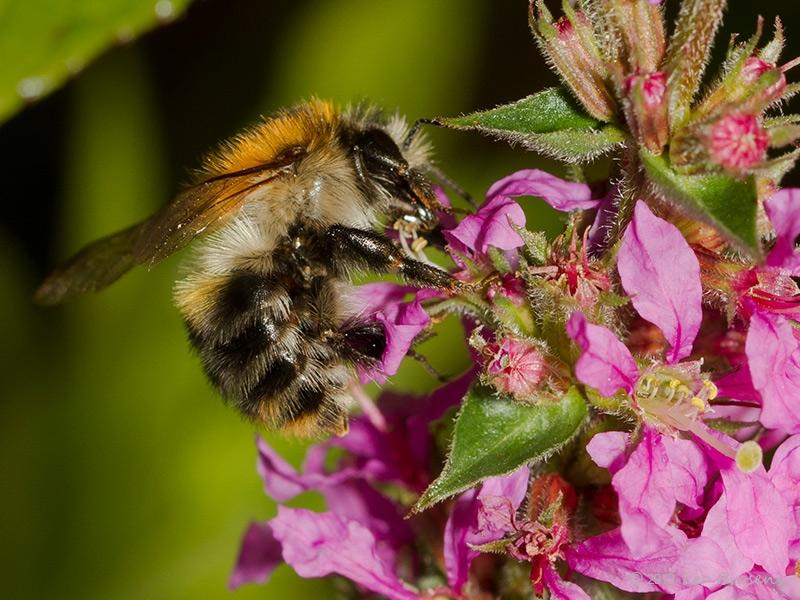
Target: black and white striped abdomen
[(273, 345)]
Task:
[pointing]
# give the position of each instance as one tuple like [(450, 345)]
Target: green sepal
[(722, 201)]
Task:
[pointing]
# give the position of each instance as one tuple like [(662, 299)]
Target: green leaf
[(727, 203), (46, 42), (495, 435), (550, 122)]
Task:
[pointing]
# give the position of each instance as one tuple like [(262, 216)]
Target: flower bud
[(642, 29), (570, 45), (647, 109), (552, 500), (515, 367), (737, 142)]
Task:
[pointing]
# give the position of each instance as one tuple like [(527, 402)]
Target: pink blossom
[(472, 522), (402, 322), (659, 473), (491, 226), (319, 544), (738, 142)]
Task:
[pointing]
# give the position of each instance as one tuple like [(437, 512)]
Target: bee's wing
[(195, 210), (96, 266)]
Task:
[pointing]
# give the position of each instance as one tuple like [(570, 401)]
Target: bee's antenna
[(412, 133), (448, 182)]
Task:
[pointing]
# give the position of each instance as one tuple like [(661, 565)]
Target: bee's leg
[(371, 250)]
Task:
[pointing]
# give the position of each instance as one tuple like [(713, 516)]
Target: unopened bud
[(642, 29), (515, 368), (571, 46), (737, 142), (552, 500), (647, 109)]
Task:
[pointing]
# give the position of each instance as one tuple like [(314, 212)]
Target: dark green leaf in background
[(549, 122), (495, 435), (44, 42), (727, 203)]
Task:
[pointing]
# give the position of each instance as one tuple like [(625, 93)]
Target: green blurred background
[(122, 474)]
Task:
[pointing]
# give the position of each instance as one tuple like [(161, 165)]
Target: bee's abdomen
[(264, 343)]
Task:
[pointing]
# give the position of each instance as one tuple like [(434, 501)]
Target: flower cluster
[(631, 420)]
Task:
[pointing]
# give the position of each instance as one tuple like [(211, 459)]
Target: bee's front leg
[(359, 248)]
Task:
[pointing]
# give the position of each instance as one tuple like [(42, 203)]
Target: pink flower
[(491, 225), (490, 515), (319, 544), (659, 270), (748, 528), (738, 142), (515, 368), (463, 531), (402, 322)]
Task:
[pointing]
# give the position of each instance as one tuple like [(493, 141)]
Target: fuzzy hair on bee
[(290, 209)]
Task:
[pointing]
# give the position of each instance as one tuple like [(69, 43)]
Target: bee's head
[(380, 164)]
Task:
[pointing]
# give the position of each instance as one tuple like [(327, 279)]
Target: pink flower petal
[(784, 472), (660, 272), (646, 494), (783, 209), (282, 482), (605, 364), (759, 519), (319, 544), (607, 449), (713, 557), (560, 589), (773, 355), (558, 193), (481, 517), (402, 322), (490, 226), (607, 557), (688, 470), (457, 554), (259, 554)]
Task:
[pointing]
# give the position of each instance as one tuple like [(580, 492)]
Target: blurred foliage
[(124, 476), (49, 41)]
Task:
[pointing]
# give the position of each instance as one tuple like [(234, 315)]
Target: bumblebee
[(290, 210)]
